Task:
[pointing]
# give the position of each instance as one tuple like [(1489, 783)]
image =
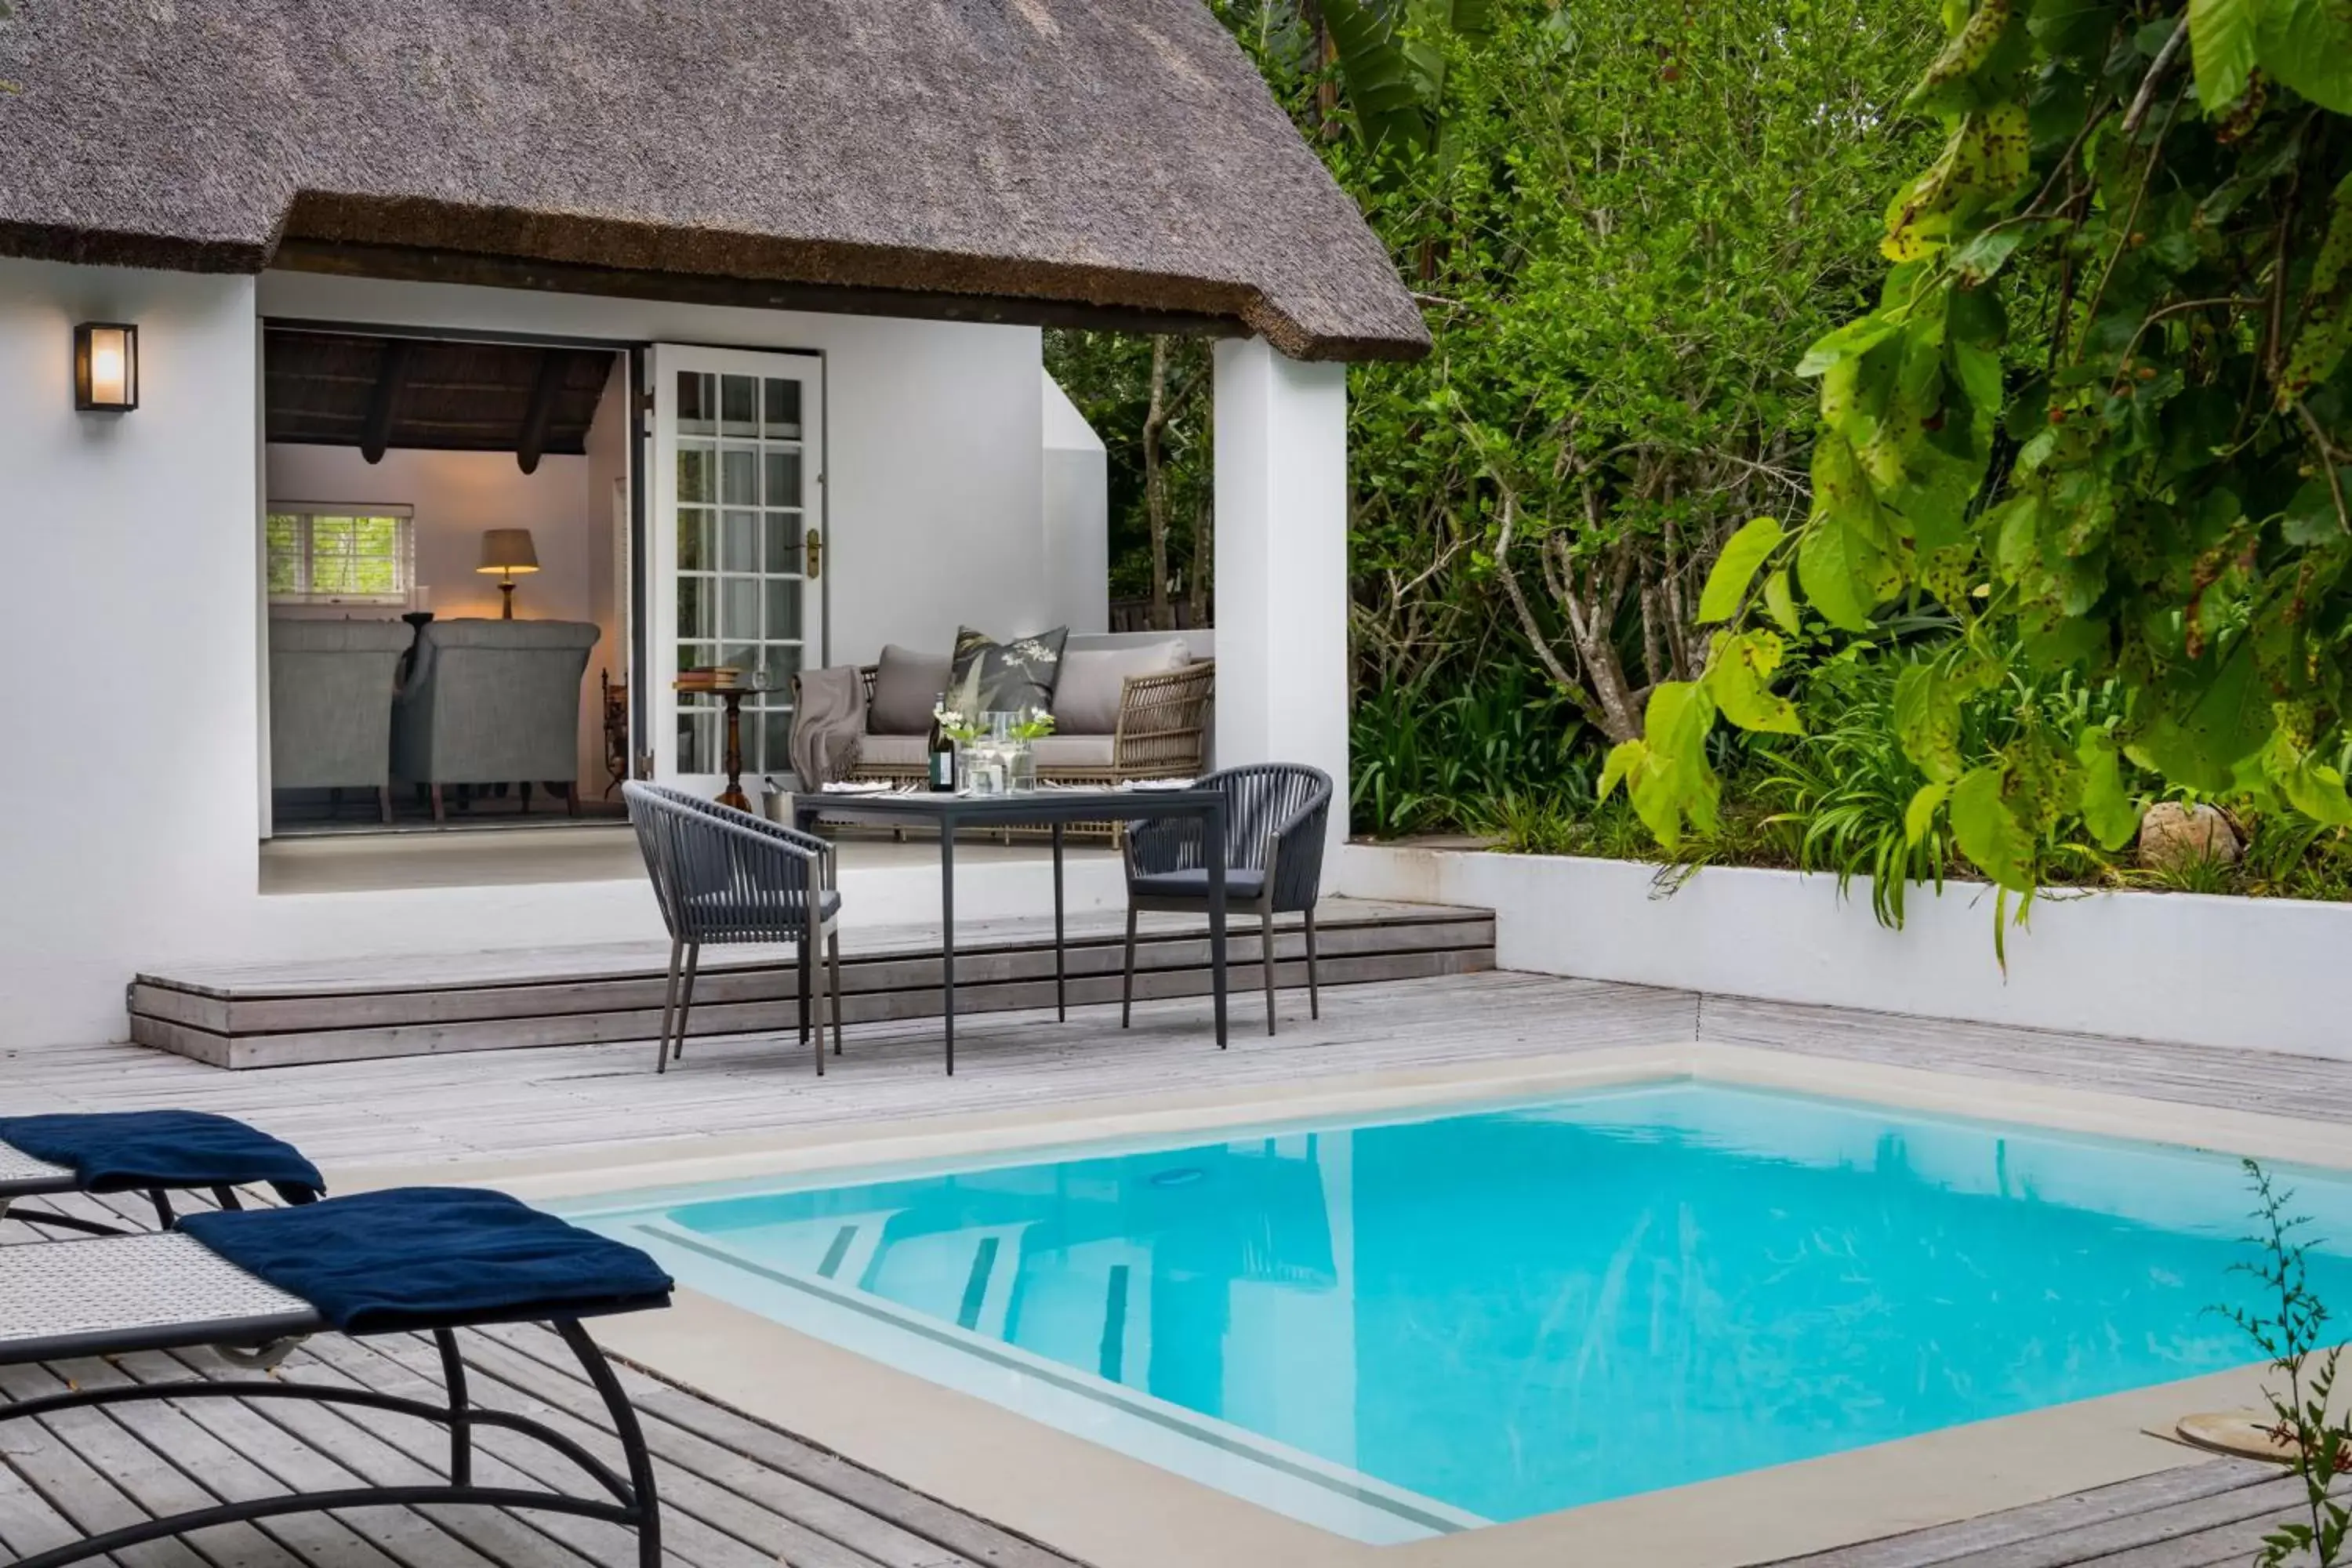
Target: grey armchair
[(1276, 813), (493, 702), (725, 876), (331, 704)]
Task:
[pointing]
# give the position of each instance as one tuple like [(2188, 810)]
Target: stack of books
[(711, 678)]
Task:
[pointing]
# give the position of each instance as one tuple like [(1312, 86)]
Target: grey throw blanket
[(827, 729)]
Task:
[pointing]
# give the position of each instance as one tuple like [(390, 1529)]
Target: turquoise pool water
[(1487, 1315)]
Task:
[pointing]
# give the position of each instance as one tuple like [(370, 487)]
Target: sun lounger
[(153, 1152), (424, 1260)]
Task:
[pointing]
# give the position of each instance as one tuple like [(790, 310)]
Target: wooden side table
[(734, 697)]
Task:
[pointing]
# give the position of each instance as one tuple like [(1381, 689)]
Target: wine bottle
[(942, 761)]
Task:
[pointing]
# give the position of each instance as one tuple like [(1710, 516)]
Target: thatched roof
[(1113, 154)]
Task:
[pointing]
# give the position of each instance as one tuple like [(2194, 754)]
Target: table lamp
[(508, 551)]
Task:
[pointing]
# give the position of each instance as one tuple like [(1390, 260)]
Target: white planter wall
[(2267, 973)]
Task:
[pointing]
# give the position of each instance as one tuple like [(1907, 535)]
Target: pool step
[(350, 1010)]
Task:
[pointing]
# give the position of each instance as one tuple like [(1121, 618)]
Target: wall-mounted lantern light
[(106, 367)]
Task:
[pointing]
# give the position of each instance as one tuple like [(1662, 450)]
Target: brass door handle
[(815, 545)]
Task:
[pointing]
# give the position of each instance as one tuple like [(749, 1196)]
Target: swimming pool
[(1410, 1326)]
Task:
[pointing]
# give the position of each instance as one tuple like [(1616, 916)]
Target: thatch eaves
[(1120, 155)]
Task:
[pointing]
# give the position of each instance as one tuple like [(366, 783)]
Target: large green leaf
[(2108, 809), (1739, 679), (2307, 43), (1389, 92), (2221, 45), (1743, 553), (1927, 721), (1989, 832)]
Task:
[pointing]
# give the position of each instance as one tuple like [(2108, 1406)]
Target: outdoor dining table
[(1049, 807)]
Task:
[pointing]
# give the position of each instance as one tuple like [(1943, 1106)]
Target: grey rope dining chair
[(723, 875), (1276, 815)]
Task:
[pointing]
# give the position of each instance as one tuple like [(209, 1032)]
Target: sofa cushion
[(1014, 676), (907, 687), (1086, 701), (1072, 752), (894, 752)]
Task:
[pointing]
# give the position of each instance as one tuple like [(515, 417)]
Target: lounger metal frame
[(633, 1500)]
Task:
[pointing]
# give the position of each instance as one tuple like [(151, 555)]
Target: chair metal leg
[(1314, 992), (686, 998), (440, 813), (383, 802), (1127, 986), (1265, 952), (805, 956), (669, 1002), (832, 964)]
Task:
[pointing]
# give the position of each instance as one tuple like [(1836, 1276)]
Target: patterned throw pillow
[(1021, 674)]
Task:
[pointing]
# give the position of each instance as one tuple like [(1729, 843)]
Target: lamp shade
[(507, 550), (106, 367)]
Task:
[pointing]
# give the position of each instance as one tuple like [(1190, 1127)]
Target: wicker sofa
[(1157, 729), (1161, 735)]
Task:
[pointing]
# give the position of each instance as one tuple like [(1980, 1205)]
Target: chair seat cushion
[(716, 909), (1240, 884)]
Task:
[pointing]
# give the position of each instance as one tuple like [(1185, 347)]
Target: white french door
[(737, 553)]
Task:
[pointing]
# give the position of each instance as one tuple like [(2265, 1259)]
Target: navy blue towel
[(131, 1151), (424, 1258)]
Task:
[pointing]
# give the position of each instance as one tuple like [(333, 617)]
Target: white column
[(1282, 562)]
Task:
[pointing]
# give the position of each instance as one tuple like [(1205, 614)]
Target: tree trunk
[(1204, 545), (1155, 484), (1326, 57)]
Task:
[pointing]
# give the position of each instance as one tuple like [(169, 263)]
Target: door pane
[(783, 478), (775, 739), (694, 539), (738, 475), (784, 409), (739, 542), (784, 610), (697, 394), (739, 607), (739, 405), (693, 613), (695, 483), (784, 543)]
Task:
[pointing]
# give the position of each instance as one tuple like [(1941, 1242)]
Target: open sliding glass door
[(735, 552)]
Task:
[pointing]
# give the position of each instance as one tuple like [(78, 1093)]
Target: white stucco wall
[(129, 823), (1078, 516), (2252, 973), (129, 548)]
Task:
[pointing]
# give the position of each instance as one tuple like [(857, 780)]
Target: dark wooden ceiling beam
[(399, 353), (554, 370)]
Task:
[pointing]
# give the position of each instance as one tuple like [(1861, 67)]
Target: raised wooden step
[(283, 1015)]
